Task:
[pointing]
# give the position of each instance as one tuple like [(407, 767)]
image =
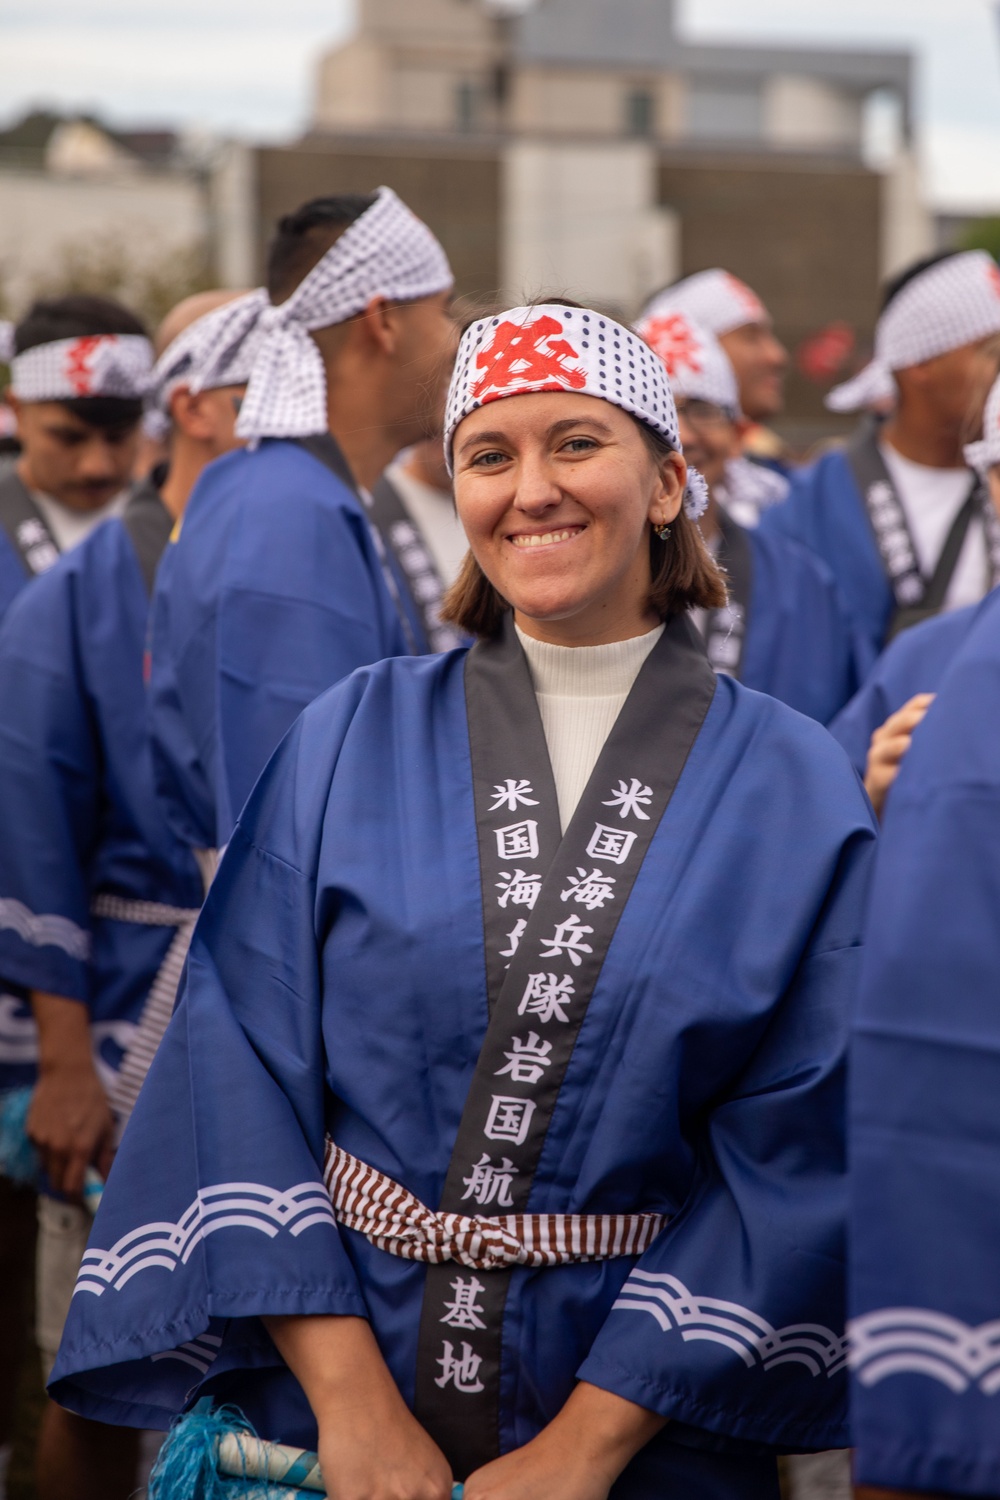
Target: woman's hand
[(371, 1447), (888, 747), (577, 1457)]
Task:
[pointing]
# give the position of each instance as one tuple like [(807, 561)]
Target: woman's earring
[(663, 532)]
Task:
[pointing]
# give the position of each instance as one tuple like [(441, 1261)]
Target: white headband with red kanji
[(715, 299), (697, 365), (954, 302), (550, 347), (97, 364)]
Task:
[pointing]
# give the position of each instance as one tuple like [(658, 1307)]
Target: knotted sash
[(551, 904)]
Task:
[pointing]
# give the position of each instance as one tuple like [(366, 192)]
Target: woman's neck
[(586, 631)]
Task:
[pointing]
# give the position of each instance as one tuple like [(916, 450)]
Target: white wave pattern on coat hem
[(920, 1341), (738, 1328)]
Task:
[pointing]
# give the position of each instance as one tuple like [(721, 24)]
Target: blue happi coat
[(915, 662), (272, 592), (79, 814), (800, 646), (337, 983), (13, 575), (926, 1104), (825, 512)]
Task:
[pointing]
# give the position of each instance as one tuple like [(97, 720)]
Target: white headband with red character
[(697, 365), (96, 364), (954, 302), (551, 347), (715, 299)]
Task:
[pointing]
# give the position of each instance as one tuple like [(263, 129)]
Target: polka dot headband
[(714, 299), (697, 365), (98, 364), (955, 302), (551, 347)]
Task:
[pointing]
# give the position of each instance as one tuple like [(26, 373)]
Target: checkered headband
[(183, 362), (550, 347), (715, 299), (950, 304), (96, 364), (387, 252), (982, 456), (696, 363)]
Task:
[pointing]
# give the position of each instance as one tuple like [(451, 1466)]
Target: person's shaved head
[(189, 311)]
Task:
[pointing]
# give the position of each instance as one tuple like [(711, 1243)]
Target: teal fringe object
[(18, 1157), (185, 1468)]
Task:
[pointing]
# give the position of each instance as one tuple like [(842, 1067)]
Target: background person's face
[(709, 438), (81, 466), (760, 361), (428, 343)]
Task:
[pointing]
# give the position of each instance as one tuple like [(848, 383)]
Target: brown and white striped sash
[(393, 1219), (162, 997)]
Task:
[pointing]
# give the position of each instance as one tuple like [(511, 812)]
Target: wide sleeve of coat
[(50, 772), (925, 1106), (215, 1213), (733, 1321)]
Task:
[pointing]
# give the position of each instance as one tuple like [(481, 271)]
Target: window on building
[(718, 110), (467, 106), (640, 112)]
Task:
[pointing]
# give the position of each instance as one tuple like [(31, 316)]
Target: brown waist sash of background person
[(26, 526), (917, 597), (726, 628), (551, 904), (417, 568)]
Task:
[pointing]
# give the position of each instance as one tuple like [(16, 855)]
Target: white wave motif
[(747, 1334), (918, 1341), (228, 1205), (46, 930), (200, 1352), (18, 1034)]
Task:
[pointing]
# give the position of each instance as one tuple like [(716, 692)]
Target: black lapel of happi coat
[(149, 525), (726, 628), (551, 905), (26, 527), (415, 566)]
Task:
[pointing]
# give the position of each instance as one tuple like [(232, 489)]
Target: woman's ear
[(669, 496)]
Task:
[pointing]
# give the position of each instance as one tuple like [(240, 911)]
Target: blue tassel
[(18, 1158), (186, 1466)]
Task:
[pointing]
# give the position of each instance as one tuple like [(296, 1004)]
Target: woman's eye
[(489, 460), (579, 445)]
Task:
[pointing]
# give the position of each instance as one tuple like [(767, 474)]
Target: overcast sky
[(246, 66)]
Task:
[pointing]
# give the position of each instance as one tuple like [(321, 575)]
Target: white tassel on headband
[(952, 303), (387, 252), (194, 359), (96, 364), (551, 347), (985, 454)]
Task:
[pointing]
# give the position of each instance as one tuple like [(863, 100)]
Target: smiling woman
[(499, 1128)]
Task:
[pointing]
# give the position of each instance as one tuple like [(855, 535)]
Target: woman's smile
[(525, 539)]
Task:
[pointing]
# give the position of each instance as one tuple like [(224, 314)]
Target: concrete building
[(583, 145)]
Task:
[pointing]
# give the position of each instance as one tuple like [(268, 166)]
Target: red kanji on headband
[(751, 302), (80, 361), (672, 338), (528, 355), (993, 272)]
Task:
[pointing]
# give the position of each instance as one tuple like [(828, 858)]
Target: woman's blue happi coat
[(337, 984)]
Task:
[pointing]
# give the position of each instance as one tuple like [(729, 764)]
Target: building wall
[(142, 217), (807, 238), (456, 192), (808, 114), (553, 101), (583, 221)]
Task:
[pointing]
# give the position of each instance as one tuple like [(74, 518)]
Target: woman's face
[(556, 493)]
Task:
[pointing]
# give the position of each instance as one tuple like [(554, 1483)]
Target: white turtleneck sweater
[(581, 691)]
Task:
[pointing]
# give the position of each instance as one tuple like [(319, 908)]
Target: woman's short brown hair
[(684, 573)]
